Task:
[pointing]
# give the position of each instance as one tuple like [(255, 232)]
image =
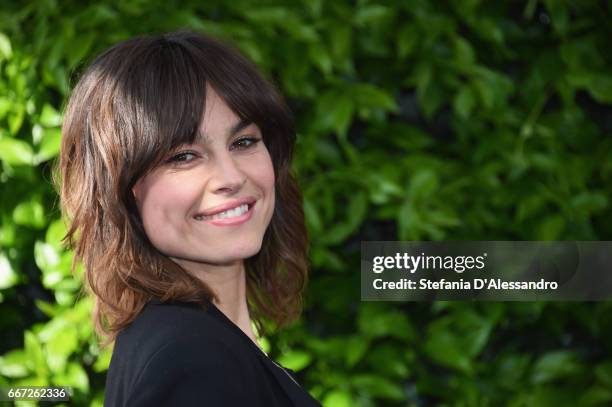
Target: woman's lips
[(248, 200), (233, 221)]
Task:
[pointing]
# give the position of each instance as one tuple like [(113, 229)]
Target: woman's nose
[(227, 174)]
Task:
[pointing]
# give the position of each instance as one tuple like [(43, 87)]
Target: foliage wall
[(417, 121)]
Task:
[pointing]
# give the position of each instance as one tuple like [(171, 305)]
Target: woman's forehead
[(219, 119), (226, 129)]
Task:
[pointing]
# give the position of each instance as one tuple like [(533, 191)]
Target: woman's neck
[(229, 284)]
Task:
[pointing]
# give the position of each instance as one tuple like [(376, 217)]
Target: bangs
[(159, 95), (238, 82), (167, 89)]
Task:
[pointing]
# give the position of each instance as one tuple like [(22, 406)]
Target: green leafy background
[(417, 121)]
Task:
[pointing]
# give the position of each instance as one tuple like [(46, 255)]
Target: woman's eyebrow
[(241, 125)]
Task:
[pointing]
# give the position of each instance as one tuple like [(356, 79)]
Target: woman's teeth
[(231, 213)]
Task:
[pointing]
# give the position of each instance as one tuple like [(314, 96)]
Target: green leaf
[(35, 354), (486, 93), (490, 30), (409, 221), (338, 398), (75, 376), (60, 346), (581, 54), (384, 359), (79, 47), (8, 277), (295, 360), (5, 47), (340, 43), (375, 323), (603, 372), (431, 97), (264, 343), (596, 396), (551, 228), (14, 364), (328, 152), (422, 185), (356, 348), (454, 340), (464, 102), (600, 87), (334, 112), (493, 87), (5, 107), (445, 348), (407, 40), (371, 14), (514, 367), (464, 53), (15, 121), (369, 96), (30, 213), (313, 220), (320, 57), (597, 84), (322, 257), (49, 117), (269, 15), (16, 152), (46, 256), (555, 364), (8, 231), (357, 209), (46, 307), (49, 146), (103, 360), (55, 233), (303, 32), (588, 203), (378, 386)]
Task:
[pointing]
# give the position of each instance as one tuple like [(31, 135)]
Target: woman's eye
[(246, 142), (183, 157)]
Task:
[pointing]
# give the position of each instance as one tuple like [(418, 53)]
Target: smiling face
[(179, 200)]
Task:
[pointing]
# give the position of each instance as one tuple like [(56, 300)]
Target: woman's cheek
[(166, 200)]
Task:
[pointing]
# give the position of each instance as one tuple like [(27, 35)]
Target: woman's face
[(232, 170)]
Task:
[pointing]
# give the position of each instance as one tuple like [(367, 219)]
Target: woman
[(175, 177)]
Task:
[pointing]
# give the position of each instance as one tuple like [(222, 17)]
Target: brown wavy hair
[(133, 105)]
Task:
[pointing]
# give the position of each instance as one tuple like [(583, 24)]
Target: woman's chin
[(225, 256)]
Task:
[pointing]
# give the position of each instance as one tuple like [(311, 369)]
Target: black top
[(177, 354)]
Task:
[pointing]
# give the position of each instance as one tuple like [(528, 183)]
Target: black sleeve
[(190, 371)]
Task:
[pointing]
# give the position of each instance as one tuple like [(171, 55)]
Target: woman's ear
[(135, 191)]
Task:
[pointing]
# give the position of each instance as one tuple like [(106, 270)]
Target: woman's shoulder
[(188, 370), (167, 344), (171, 317), (161, 325)]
